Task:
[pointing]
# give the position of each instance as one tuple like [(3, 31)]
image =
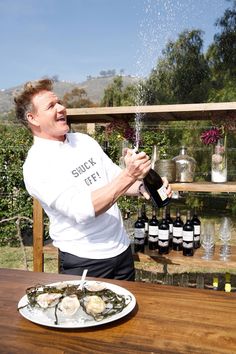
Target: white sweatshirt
[(61, 175)]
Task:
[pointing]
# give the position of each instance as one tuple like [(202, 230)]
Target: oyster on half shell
[(94, 305), (46, 300), (95, 286), (69, 305)]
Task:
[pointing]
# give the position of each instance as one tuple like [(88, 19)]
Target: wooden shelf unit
[(150, 114)]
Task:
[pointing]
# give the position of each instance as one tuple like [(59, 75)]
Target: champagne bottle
[(153, 231), (105, 147), (154, 185), (197, 229), (163, 234), (145, 220), (178, 232), (170, 222), (155, 156), (139, 233), (188, 232)]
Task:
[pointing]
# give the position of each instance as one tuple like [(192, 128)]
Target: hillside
[(94, 88)]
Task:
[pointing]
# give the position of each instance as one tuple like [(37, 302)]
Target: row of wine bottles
[(167, 234)]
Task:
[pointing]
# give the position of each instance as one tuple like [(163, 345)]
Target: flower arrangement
[(217, 135), (211, 136)]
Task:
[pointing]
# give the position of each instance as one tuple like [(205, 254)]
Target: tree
[(181, 74), (77, 98), (113, 93), (118, 95), (14, 199), (222, 58)]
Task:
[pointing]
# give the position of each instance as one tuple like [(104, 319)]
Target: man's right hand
[(137, 164)]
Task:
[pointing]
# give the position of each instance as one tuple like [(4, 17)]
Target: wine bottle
[(139, 233), (188, 232), (163, 234), (154, 185), (153, 231), (227, 283), (145, 220), (170, 222), (178, 233), (215, 283), (197, 229)]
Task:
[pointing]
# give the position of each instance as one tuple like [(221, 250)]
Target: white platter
[(80, 319)]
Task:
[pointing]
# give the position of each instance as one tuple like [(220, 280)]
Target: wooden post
[(37, 236)]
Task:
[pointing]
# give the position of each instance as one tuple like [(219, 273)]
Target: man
[(78, 187)]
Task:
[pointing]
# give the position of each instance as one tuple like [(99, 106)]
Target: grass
[(13, 258)]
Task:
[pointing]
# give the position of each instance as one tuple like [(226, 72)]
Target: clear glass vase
[(219, 162), (185, 166)]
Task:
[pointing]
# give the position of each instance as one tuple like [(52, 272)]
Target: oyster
[(95, 286), (46, 300), (69, 305), (94, 305)]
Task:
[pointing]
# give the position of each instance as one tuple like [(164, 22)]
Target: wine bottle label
[(187, 244), (163, 234), (146, 226), (138, 241), (139, 233), (153, 230), (196, 237), (177, 240), (187, 235), (171, 228), (197, 229), (162, 193), (177, 231), (152, 239), (163, 243)]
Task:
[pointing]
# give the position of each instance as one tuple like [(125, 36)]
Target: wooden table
[(165, 320)]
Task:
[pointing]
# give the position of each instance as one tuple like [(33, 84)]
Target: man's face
[(49, 117)]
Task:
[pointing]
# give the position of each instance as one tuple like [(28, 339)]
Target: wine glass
[(208, 240), (225, 236)]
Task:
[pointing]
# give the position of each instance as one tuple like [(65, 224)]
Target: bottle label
[(162, 193), (163, 243), (196, 237), (187, 244), (139, 233), (152, 239), (146, 226), (139, 241), (171, 228), (227, 288), (197, 229), (163, 234), (153, 230), (177, 240), (177, 231), (187, 235)]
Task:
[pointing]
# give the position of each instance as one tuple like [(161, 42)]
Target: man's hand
[(169, 191), (137, 165)]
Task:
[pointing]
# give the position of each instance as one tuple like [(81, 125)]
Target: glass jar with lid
[(185, 166)]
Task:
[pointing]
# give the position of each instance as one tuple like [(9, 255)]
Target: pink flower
[(211, 136)]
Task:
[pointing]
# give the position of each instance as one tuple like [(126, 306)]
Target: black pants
[(120, 267)]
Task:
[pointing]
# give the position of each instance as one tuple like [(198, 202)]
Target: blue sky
[(77, 38)]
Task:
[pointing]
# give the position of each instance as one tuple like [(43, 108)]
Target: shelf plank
[(187, 264), (196, 111), (228, 187)]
